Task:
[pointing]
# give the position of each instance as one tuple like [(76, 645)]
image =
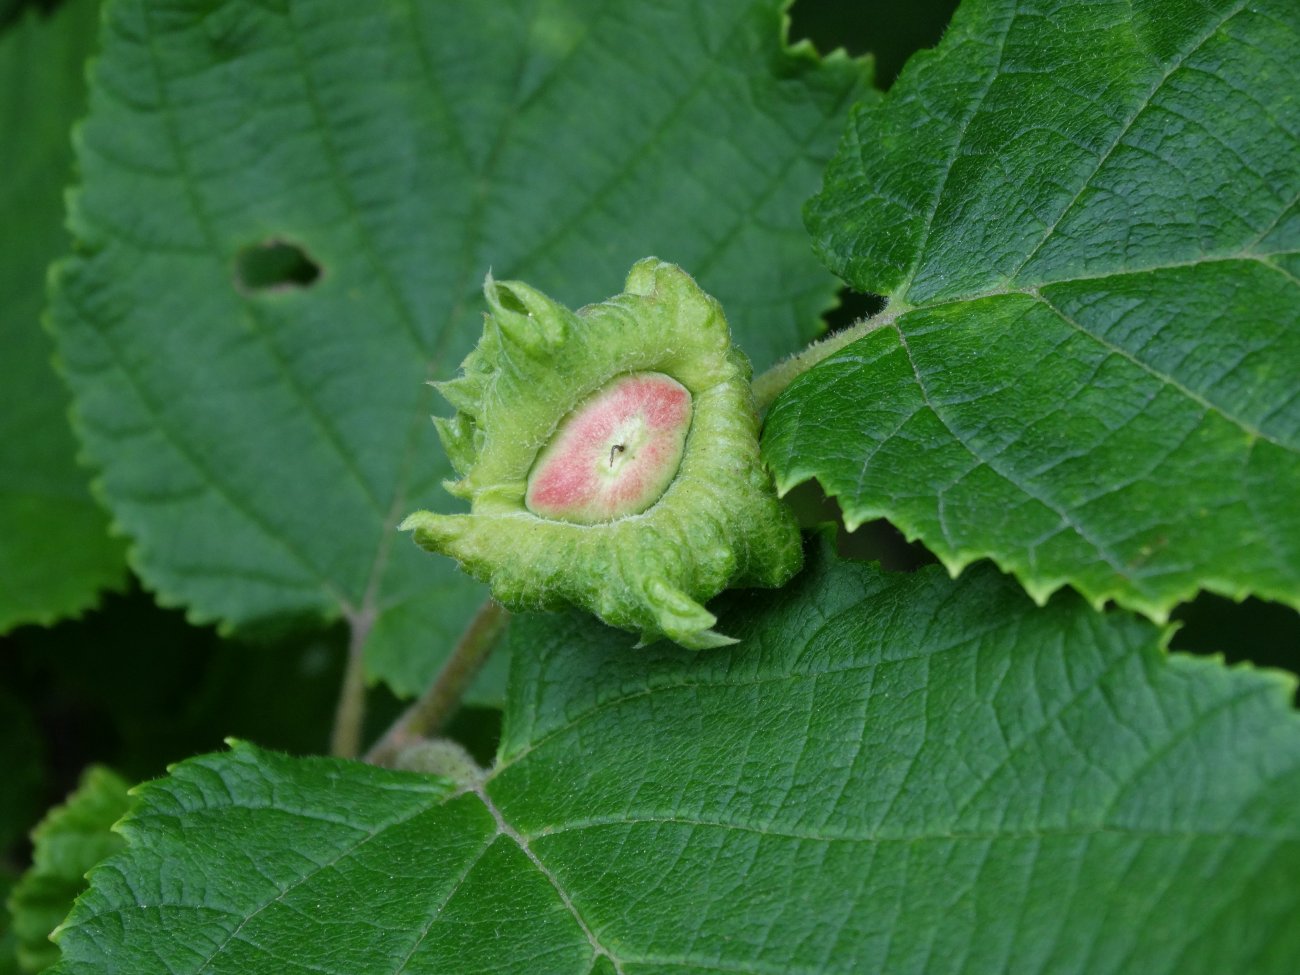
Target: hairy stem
[(427, 715), (772, 383), (350, 712)]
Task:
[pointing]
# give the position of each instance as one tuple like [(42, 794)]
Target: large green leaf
[(260, 444), (1085, 219), (70, 840), (890, 773), (55, 552)]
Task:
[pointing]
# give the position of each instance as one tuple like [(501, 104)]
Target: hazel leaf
[(72, 838), (286, 211), (894, 772), (1085, 219)]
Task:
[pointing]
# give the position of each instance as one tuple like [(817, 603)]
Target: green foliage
[(1085, 220), (261, 445), (934, 770), (69, 841), (45, 503)]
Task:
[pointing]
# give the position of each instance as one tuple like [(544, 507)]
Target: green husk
[(719, 523)]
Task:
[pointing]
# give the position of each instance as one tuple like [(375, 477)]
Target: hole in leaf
[(276, 264), (891, 31), (853, 307)]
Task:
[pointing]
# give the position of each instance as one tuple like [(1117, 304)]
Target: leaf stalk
[(350, 711), (772, 383), (428, 714)]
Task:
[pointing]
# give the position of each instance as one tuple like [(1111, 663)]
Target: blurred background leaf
[(55, 551), (70, 840)]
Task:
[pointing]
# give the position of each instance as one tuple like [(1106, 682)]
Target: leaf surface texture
[(891, 773), (287, 214), (1085, 219)]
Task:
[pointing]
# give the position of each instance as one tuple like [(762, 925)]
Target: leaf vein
[(1143, 104)]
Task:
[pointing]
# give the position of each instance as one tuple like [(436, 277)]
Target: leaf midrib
[(504, 828), (1034, 292), (1138, 109), (632, 818), (361, 621), (656, 818), (307, 876)]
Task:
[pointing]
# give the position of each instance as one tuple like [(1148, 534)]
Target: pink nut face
[(615, 454)]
